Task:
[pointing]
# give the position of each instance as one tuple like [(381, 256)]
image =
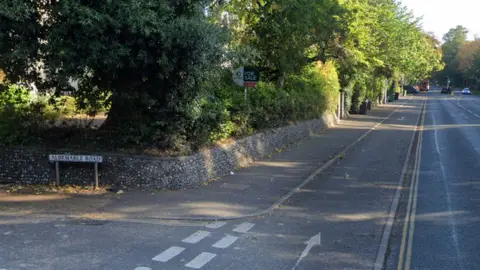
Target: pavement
[(327, 203)]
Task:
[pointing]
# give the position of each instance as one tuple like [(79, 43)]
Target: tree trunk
[(281, 79), (125, 114)]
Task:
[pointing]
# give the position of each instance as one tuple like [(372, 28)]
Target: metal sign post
[(246, 99), (246, 77), (75, 158), (385, 91)]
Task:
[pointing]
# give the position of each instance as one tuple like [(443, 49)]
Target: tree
[(152, 56), (453, 40), (286, 35), (166, 64), (383, 40), (468, 59)]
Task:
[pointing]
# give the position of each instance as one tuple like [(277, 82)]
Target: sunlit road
[(438, 223)]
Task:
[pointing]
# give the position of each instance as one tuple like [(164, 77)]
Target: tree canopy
[(165, 65), (453, 41), (462, 59)]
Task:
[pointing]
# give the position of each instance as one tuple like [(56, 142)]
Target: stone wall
[(31, 166)]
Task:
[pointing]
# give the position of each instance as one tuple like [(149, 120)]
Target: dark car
[(446, 90), (410, 89)]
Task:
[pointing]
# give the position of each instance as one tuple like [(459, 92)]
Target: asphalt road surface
[(425, 157), (437, 225)]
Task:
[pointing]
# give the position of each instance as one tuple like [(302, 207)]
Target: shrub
[(307, 95), (20, 118), (359, 95)]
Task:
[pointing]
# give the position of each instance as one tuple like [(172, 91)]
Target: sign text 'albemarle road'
[(76, 158)]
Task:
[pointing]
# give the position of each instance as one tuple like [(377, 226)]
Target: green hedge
[(305, 96)]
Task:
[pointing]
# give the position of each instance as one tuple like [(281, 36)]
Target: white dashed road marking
[(204, 257), (200, 260), (225, 241), (216, 225), (168, 254), (196, 237), (244, 227)]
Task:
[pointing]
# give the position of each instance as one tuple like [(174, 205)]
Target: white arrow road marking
[(315, 240)]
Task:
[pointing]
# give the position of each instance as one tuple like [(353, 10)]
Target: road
[(438, 224), (423, 158)]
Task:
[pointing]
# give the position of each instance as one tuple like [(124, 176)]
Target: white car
[(466, 91)]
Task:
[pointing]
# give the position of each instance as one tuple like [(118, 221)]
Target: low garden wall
[(31, 166)]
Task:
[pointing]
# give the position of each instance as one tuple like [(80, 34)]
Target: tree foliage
[(383, 41), (164, 67), (453, 41), (152, 56), (462, 58)]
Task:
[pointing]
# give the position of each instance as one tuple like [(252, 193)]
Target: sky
[(439, 16)]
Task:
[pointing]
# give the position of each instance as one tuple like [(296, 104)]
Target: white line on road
[(140, 268), (244, 227), (387, 231), (196, 237), (315, 240), (452, 221), (458, 104), (199, 261), (216, 225), (168, 254), (225, 241)]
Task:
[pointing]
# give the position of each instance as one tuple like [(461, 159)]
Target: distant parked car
[(466, 91), (446, 90), (410, 89)]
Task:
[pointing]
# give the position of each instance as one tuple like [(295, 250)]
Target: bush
[(359, 95), (24, 117), (222, 113), (330, 85), (20, 118), (375, 87)]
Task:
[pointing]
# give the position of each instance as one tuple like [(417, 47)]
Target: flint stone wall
[(31, 166)]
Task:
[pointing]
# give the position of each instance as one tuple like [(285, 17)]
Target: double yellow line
[(409, 224)]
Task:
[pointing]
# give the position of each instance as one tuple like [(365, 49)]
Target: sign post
[(385, 91), (246, 77), (74, 158)]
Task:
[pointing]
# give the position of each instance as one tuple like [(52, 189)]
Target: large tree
[(453, 41), (382, 40), (152, 56), (468, 59), (284, 35)]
